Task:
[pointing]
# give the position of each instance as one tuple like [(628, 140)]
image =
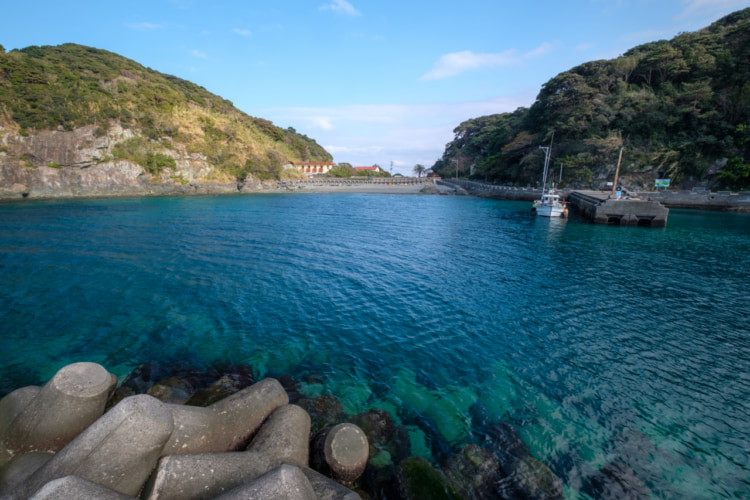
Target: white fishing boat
[(550, 204)]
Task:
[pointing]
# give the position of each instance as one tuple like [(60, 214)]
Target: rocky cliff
[(56, 163)]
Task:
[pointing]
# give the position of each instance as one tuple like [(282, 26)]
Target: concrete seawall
[(724, 201), (703, 200)]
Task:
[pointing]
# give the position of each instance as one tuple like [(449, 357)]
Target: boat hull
[(550, 210)]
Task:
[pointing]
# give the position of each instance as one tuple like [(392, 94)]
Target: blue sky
[(371, 81)]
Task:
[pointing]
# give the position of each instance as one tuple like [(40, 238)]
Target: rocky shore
[(222, 434)]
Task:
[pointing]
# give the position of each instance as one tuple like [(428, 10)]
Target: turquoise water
[(600, 343)]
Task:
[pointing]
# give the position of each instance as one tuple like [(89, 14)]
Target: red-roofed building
[(374, 168), (314, 167)]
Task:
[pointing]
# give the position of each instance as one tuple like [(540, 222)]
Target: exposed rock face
[(56, 163)]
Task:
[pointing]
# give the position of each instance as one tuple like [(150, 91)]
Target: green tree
[(419, 169), (735, 174)]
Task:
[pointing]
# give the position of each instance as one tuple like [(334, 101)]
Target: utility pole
[(617, 172)]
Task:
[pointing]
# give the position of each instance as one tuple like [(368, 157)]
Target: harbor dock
[(601, 208)]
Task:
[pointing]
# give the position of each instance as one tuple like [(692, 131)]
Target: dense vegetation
[(70, 86), (676, 107)]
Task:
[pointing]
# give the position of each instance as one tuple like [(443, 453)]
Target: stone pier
[(602, 209)]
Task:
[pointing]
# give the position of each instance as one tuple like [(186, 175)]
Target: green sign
[(661, 183)]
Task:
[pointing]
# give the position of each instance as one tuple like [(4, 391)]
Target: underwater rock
[(616, 481), (505, 440), (144, 376), (378, 426), (417, 480), (325, 411), (222, 388), (527, 477), (447, 408), (340, 452), (292, 389), (472, 471), (173, 390)]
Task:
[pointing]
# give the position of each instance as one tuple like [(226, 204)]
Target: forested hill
[(680, 108), (70, 86)]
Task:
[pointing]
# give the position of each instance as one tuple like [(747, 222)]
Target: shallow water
[(600, 343)]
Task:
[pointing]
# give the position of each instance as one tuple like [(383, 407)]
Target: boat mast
[(547, 151)]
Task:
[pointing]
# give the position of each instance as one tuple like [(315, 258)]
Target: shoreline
[(721, 201), (408, 186)]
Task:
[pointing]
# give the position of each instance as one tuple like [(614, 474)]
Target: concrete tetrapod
[(285, 436), (226, 425), (71, 401), (75, 488), (20, 469), (118, 451), (328, 489), (202, 476), (285, 481), (13, 404), (340, 452)]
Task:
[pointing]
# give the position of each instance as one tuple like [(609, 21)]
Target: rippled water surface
[(600, 343)]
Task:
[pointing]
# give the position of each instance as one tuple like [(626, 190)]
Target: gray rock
[(118, 451), (416, 479), (328, 489), (75, 488), (71, 401), (226, 425), (285, 436), (472, 471), (341, 452), (20, 468), (284, 482), (533, 479), (204, 475)]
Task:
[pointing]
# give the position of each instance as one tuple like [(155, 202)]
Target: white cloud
[(711, 8), (199, 53), (543, 49), (320, 122), (143, 26), (242, 32), (342, 7), (407, 134), (456, 63)]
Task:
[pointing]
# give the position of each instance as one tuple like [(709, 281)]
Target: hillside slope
[(680, 108), (70, 108)]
